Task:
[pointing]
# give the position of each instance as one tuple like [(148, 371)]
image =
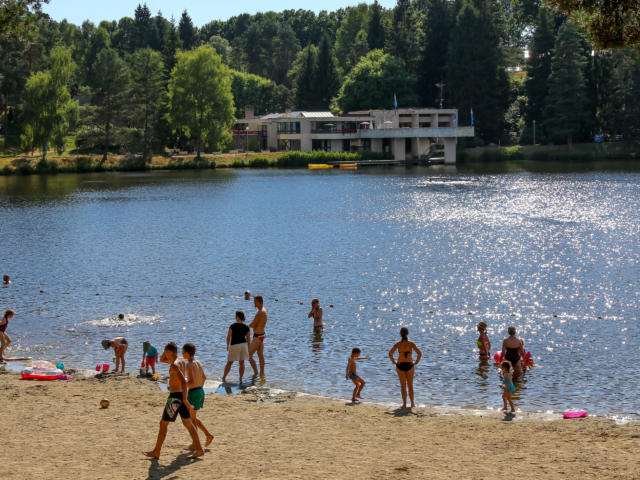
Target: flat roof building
[(406, 133)]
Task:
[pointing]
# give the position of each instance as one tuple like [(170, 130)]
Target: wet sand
[(57, 430)]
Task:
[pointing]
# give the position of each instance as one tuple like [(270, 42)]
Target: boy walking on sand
[(195, 381), (353, 375), (4, 338), (177, 403)]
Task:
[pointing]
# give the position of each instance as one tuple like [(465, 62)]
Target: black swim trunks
[(175, 406)]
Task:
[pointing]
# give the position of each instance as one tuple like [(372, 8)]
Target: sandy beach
[(57, 430)]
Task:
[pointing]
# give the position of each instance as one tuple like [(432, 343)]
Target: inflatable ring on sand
[(31, 373)]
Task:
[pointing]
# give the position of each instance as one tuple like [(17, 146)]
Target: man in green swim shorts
[(195, 381)]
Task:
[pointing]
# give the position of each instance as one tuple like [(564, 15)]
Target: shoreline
[(63, 431), (212, 387)]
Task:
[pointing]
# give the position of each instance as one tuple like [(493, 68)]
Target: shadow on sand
[(157, 471)]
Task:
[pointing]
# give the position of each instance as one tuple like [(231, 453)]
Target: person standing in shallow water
[(405, 364), (512, 350), (257, 344), (316, 313), (484, 345)]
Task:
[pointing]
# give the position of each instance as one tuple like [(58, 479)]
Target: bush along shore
[(88, 163), (580, 153)]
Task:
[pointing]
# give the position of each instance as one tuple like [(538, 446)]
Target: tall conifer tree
[(566, 105)]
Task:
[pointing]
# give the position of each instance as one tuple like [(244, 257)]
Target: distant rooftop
[(297, 114)]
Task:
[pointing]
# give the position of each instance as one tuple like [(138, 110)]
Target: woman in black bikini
[(512, 350), (405, 364)]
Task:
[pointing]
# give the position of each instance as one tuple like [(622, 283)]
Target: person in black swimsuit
[(404, 364), (512, 350)]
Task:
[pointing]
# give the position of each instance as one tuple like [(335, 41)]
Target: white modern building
[(407, 133)]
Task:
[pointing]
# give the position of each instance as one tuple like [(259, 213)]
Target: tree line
[(145, 83)]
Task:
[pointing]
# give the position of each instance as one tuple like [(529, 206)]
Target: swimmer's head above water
[(247, 295)]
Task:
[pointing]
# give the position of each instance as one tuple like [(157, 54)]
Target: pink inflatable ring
[(574, 414)]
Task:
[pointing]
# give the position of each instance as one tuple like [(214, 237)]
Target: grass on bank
[(67, 163)]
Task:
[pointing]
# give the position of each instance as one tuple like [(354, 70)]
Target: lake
[(551, 249)]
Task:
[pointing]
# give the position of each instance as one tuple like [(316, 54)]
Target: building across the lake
[(407, 133)]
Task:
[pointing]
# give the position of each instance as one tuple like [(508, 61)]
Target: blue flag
[(472, 116), (455, 119), (395, 101)]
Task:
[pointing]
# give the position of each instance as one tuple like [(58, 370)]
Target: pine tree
[(111, 96), (433, 58), (304, 73), (566, 105), (170, 49), (326, 81), (142, 27), (475, 77), (375, 31), (187, 31), (539, 65), (405, 41), (285, 49), (147, 94)]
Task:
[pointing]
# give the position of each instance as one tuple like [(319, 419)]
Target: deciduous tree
[(200, 99), (49, 112)]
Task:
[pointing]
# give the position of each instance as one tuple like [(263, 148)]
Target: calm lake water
[(555, 253)]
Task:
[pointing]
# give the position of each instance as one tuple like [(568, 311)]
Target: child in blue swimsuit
[(509, 387), (352, 374)]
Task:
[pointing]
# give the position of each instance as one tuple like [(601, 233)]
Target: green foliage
[(566, 104), (303, 159), (110, 92), (477, 79), (200, 99), (348, 48), (326, 84), (186, 30), (373, 82), (611, 23), (302, 75), (263, 94), (433, 58), (375, 29), (148, 96), (539, 65), (49, 113), (16, 17)]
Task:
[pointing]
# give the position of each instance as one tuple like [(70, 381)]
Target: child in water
[(352, 375), (484, 345), (149, 357), (509, 387), (4, 338), (6, 279)]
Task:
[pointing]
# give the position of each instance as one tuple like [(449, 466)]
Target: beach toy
[(157, 375), (497, 357), (64, 377), (104, 403), (34, 373), (60, 366), (142, 372), (104, 367), (574, 414)]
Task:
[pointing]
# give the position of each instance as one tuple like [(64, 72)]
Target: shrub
[(259, 162)]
